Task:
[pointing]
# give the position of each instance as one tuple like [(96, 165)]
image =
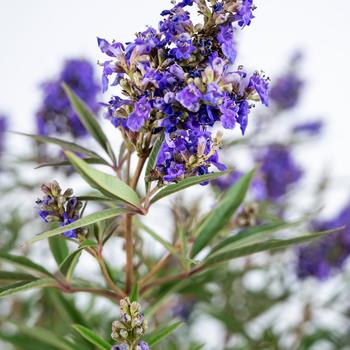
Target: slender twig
[(128, 163), (136, 177), (166, 279), (97, 291), (107, 277), (156, 268)]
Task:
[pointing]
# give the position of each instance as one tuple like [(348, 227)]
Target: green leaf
[(248, 233), (92, 337), (65, 145), (66, 307), (24, 263), (66, 163), (47, 337), (109, 185), (158, 335), (85, 221), (68, 264), (89, 121), (15, 276), (24, 286), (262, 246), (152, 159), (59, 248), (188, 182), (168, 246), (220, 216)]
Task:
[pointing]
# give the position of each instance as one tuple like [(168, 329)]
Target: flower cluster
[(3, 129), (181, 79), (286, 90), (279, 170), (56, 115), (57, 207), (130, 328), (321, 258)]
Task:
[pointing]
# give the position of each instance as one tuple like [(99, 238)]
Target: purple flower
[(184, 47), (189, 97), (3, 129), (226, 41), (243, 112), (213, 94), (279, 170), (137, 118), (323, 257), (260, 84), (309, 128), (56, 115), (285, 92), (229, 114), (142, 345), (191, 151), (244, 14), (120, 347)]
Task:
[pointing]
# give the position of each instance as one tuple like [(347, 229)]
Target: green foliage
[(220, 216), (183, 184), (92, 337), (83, 222), (107, 184), (59, 248), (161, 333), (89, 121)]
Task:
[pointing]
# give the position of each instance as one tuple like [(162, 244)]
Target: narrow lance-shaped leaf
[(24, 263), (92, 337), (24, 286), (160, 334), (65, 145), (15, 276), (59, 248), (85, 221), (70, 261), (247, 234), (188, 182), (89, 121), (152, 159), (109, 185), (220, 216), (67, 163), (263, 246), (47, 337)]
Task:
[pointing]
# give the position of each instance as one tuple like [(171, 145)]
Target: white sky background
[(37, 35)]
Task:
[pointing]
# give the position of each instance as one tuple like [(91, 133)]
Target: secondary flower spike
[(131, 327), (182, 79), (60, 207), (56, 116)]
